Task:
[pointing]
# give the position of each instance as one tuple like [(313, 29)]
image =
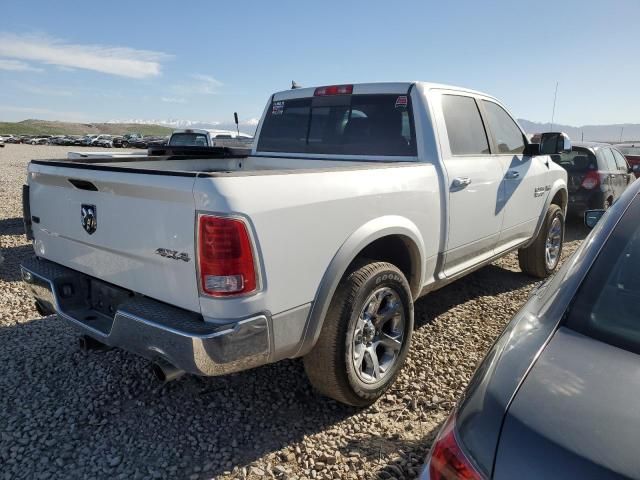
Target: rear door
[(142, 234), (474, 182)]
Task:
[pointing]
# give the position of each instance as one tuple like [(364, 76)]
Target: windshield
[(629, 150), (607, 306), (577, 160), (341, 124), (189, 139)]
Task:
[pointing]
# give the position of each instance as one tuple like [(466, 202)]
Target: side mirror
[(591, 217), (636, 168), (554, 142), (631, 169)]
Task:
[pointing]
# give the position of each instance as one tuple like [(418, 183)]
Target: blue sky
[(203, 60)]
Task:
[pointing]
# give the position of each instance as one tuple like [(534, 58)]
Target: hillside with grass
[(46, 127)]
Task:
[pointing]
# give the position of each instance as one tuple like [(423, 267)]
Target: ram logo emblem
[(89, 218)]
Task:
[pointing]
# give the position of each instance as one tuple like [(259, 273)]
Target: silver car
[(557, 394)]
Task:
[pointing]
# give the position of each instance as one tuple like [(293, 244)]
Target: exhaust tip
[(165, 372)]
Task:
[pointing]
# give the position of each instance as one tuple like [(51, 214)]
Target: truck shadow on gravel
[(13, 256), (12, 226)]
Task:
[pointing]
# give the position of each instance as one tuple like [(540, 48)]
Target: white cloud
[(45, 91), (122, 61), (199, 84), (17, 66), (173, 100)]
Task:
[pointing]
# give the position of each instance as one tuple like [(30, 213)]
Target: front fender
[(355, 243), (559, 185)]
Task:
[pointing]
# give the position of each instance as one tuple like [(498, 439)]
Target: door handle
[(512, 174), (460, 182)]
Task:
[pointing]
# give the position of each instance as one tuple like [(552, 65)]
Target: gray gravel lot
[(69, 414)]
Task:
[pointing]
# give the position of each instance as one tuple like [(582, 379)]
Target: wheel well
[(560, 199), (399, 251)]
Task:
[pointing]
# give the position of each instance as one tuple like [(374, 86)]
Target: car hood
[(576, 415)]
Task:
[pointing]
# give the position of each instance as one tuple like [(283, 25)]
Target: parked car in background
[(598, 174), (117, 141), (157, 142), (556, 396), (1, 142), (631, 151), (123, 141), (88, 140), (43, 140), (12, 139), (105, 141), (421, 184)]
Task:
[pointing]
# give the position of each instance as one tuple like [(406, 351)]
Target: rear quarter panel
[(301, 220)]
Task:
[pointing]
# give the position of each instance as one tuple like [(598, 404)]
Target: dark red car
[(632, 153)]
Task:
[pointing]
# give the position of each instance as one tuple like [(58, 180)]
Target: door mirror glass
[(552, 143), (636, 167), (591, 217)]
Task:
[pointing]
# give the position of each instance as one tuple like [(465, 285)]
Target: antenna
[(294, 85), (621, 131), (235, 117), (553, 112)]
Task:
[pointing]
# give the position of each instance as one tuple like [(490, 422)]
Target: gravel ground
[(69, 414)]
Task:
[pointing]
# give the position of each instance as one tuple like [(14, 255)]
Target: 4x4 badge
[(89, 218)]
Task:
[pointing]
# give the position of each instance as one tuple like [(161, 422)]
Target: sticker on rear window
[(401, 101), (277, 108)]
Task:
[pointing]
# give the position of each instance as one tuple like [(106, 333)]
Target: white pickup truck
[(354, 201)]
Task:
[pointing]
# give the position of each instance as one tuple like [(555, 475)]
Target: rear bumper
[(146, 327)]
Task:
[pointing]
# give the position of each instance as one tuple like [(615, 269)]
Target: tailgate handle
[(83, 185)]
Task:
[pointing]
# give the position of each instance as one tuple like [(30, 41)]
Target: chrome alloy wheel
[(378, 335), (553, 243)]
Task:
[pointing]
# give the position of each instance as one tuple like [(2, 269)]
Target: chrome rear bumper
[(147, 327)]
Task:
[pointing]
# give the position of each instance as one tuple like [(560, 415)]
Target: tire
[(341, 365), (533, 260), (125, 144)]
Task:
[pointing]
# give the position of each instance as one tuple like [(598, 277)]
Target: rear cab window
[(607, 305), (367, 124)]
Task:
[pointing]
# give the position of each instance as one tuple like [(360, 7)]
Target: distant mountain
[(246, 126), (46, 127), (591, 133)]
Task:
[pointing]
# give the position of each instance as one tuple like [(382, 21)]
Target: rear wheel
[(541, 258), (365, 336)]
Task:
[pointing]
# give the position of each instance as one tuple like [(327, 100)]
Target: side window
[(610, 160), (465, 129), (508, 135), (621, 162)]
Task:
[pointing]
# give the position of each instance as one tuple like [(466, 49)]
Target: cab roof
[(374, 88)]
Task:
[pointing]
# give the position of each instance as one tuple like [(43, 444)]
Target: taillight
[(225, 257), (333, 90), (591, 180), (447, 461)]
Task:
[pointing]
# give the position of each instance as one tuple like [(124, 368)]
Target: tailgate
[(134, 230)]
